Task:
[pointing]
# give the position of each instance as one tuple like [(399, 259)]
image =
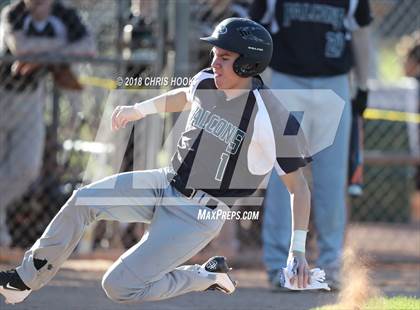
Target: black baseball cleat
[(12, 287), (218, 268)]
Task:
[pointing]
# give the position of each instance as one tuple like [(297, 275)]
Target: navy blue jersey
[(311, 37)]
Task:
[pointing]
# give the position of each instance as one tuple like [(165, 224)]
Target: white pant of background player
[(149, 270), (329, 180), (22, 137)]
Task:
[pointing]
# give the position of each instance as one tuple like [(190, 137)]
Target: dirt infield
[(77, 288)]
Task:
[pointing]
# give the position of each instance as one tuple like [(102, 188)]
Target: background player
[(333, 31)]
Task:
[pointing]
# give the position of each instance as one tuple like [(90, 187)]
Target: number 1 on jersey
[(222, 167)]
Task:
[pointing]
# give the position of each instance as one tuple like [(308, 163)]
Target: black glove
[(64, 78), (359, 103)]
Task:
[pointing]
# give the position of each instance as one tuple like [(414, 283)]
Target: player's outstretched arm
[(301, 197), (171, 101)]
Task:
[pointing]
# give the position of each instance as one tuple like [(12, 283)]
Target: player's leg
[(329, 170), (148, 271), (113, 198)]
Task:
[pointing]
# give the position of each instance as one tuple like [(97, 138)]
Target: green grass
[(394, 303)]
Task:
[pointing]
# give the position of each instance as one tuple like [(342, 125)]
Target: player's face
[(222, 65), (39, 9)]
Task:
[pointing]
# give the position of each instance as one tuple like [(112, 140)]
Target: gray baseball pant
[(149, 270)]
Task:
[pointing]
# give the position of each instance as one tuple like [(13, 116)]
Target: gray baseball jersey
[(229, 146)]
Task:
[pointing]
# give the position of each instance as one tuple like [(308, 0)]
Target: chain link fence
[(49, 135), (388, 186)]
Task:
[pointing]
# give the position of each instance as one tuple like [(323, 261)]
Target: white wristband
[(146, 107), (298, 240)]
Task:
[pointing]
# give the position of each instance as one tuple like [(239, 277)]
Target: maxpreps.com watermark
[(206, 214)]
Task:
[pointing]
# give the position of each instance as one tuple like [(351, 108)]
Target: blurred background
[(157, 38)]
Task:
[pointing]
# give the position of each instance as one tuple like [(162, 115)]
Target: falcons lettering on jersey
[(220, 128)]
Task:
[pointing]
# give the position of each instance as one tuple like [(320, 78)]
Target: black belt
[(189, 193)]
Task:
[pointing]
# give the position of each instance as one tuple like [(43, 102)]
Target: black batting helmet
[(247, 38)]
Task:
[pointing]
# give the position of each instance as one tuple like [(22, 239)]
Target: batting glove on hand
[(359, 103), (316, 277)]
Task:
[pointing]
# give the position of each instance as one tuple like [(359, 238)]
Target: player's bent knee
[(115, 286), (112, 290)]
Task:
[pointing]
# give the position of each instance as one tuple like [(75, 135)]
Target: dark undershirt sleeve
[(363, 13), (294, 140)]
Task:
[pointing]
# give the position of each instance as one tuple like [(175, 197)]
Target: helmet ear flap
[(243, 68)]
